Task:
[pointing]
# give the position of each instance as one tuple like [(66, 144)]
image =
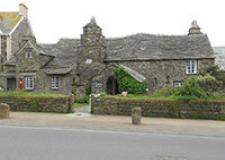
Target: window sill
[(191, 73), (54, 89), (28, 89)]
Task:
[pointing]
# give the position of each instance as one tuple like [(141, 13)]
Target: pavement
[(84, 120)]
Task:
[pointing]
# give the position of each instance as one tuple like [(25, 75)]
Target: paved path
[(117, 123), (18, 143), (84, 109)]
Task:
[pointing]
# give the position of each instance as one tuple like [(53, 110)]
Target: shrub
[(164, 92), (215, 71), (84, 99), (127, 83), (209, 83), (191, 88), (35, 107)]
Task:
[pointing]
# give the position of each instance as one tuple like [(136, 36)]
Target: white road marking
[(114, 132)]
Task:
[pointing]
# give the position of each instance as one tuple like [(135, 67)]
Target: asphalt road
[(24, 143)]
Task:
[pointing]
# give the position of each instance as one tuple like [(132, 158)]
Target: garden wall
[(37, 104), (157, 108)]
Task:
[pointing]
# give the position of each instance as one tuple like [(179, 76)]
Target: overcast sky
[(53, 19)]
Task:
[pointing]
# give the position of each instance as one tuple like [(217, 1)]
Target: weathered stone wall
[(157, 108), (37, 104), (161, 73), (42, 83), (3, 54), (17, 36), (89, 57), (2, 81)]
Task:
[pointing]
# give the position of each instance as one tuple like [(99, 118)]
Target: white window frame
[(29, 54), (29, 82), (55, 82), (192, 66), (177, 84), (88, 61)]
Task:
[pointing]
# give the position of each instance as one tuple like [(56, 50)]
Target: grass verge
[(29, 94)]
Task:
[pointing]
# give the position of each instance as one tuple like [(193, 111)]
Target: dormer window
[(29, 55)]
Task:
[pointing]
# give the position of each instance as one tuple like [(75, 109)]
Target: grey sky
[(53, 19)]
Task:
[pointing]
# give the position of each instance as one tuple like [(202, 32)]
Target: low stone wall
[(37, 104), (155, 108)]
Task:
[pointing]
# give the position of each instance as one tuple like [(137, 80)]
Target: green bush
[(35, 107), (128, 83), (215, 71), (84, 99), (191, 88), (209, 84), (164, 92)]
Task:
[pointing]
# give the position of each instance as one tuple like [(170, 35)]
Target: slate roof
[(134, 47), (220, 57), (8, 20), (157, 47), (57, 70), (65, 52)]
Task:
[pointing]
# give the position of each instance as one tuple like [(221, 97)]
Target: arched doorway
[(112, 86)]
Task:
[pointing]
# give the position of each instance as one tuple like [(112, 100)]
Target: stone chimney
[(23, 10), (195, 29), (92, 27)]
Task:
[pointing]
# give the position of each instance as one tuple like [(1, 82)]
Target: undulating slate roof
[(156, 47), (8, 20), (135, 47), (65, 52), (220, 56)]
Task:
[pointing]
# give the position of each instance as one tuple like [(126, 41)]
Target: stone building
[(75, 65)]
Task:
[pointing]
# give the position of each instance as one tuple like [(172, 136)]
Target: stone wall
[(37, 104), (24, 29), (156, 108), (161, 73)]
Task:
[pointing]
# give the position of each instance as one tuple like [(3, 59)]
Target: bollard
[(70, 102), (136, 115), (4, 110)]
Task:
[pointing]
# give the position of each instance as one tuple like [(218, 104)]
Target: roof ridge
[(5, 12), (144, 34), (219, 46)]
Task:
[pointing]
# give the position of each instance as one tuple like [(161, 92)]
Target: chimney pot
[(23, 9)]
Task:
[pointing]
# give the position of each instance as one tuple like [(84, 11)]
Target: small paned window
[(55, 82), (177, 84), (191, 67), (29, 55), (29, 82)]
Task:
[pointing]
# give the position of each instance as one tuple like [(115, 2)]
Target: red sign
[(21, 84)]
